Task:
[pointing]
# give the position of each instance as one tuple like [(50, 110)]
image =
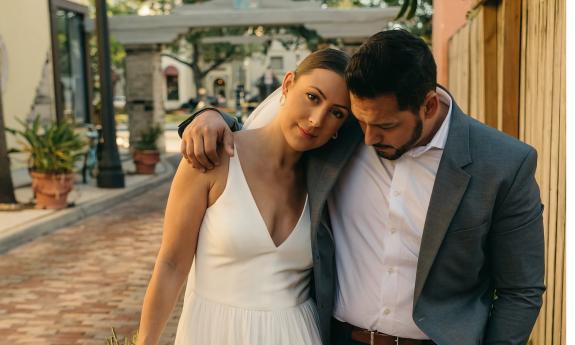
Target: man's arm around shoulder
[(232, 121)]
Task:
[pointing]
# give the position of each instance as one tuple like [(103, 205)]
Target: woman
[(245, 225)]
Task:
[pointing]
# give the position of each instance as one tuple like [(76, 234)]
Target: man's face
[(391, 131)]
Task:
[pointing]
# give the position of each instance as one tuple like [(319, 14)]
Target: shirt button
[(386, 311), (396, 193), (390, 270), (393, 230)]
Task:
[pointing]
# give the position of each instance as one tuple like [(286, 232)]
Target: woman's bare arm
[(187, 204)]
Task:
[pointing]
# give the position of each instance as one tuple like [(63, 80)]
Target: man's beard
[(405, 147)]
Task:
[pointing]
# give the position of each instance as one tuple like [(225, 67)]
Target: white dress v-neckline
[(294, 229)]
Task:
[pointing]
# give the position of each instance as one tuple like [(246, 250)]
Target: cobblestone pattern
[(72, 286)]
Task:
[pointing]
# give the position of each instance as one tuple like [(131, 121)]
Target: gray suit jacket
[(480, 273)]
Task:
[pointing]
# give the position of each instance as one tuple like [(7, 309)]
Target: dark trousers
[(341, 335)]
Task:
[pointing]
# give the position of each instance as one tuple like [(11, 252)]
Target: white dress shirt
[(377, 211)]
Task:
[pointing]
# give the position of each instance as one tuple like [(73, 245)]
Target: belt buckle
[(372, 338)]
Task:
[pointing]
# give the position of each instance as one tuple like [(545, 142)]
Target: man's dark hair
[(393, 62)]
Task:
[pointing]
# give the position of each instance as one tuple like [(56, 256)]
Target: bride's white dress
[(242, 289)]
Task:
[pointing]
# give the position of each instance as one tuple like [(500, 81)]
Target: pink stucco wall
[(448, 17)]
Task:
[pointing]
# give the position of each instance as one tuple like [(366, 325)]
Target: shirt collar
[(440, 138)]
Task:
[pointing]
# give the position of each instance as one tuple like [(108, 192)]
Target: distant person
[(267, 83), (221, 99)]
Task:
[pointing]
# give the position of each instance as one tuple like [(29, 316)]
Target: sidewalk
[(18, 227)]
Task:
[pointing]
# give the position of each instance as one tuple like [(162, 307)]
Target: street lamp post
[(110, 174)]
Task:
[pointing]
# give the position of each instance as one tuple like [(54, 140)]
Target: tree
[(205, 57)]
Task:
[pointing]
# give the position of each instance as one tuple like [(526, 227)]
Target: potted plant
[(146, 154), (53, 150)]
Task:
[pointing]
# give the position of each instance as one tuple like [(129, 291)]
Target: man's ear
[(431, 104)]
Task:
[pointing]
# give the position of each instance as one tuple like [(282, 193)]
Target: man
[(433, 225)]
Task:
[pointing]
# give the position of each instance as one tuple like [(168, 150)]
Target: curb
[(19, 235)]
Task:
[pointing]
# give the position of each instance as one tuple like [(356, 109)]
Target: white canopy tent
[(348, 23)]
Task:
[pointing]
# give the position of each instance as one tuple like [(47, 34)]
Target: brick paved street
[(72, 286)]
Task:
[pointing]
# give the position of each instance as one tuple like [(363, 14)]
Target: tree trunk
[(198, 80), (195, 65), (6, 186)]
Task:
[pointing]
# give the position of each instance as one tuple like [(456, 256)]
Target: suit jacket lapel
[(450, 185), (325, 164)]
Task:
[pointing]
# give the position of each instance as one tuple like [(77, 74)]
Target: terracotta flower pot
[(146, 161), (51, 190)]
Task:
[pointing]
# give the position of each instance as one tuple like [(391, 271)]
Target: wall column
[(144, 83)]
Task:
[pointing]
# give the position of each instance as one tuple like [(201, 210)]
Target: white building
[(179, 84)]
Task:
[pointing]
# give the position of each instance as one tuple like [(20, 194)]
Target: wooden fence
[(507, 68)]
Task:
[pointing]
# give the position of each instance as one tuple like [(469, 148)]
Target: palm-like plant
[(149, 138), (53, 148)]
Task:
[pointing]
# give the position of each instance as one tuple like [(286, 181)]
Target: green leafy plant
[(52, 148), (149, 138)]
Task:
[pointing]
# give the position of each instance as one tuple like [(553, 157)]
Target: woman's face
[(315, 107)]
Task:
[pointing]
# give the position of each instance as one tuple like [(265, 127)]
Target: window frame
[(54, 6)]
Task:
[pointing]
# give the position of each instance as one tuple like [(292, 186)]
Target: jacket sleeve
[(232, 122), (517, 258)]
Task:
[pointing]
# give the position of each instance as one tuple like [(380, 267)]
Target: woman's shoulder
[(210, 180)]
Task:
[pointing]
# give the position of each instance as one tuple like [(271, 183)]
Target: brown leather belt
[(376, 338)]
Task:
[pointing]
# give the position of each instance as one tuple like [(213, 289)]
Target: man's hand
[(202, 137)]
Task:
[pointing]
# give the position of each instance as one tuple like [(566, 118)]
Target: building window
[(277, 63), (70, 61), (172, 86)]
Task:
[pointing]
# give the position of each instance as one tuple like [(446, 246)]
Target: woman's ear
[(289, 80)]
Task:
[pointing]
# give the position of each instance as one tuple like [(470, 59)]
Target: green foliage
[(407, 11), (213, 52), (418, 19), (115, 8), (149, 138), (413, 15), (52, 148), (117, 51)]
